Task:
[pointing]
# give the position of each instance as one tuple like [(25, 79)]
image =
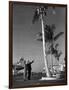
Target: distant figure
[(29, 69), (19, 65)]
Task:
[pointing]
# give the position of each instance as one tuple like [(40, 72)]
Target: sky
[(25, 34)]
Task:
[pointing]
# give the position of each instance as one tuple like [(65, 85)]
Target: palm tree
[(50, 39), (54, 52), (39, 14)]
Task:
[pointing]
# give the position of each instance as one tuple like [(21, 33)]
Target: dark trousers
[(29, 74)]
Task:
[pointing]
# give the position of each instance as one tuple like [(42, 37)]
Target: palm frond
[(58, 54), (58, 35), (50, 28), (36, 16), (39, 39), (53, 27), (39, 34), (56, 46), (49, 31)]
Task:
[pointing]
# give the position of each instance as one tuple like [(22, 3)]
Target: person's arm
[(32, 62)]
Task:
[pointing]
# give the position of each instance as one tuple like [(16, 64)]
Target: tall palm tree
[(39, 14)]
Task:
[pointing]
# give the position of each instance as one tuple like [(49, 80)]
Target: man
[(29, 69)]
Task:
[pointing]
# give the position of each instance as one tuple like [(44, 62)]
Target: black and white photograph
[(39, 55)]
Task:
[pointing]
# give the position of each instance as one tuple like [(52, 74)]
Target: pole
[(43, 36)]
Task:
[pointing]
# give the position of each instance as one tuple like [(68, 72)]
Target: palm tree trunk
[(43, 36)]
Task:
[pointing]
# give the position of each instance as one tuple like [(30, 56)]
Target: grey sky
[(24, 34)]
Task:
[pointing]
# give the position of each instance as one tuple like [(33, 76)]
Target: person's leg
[(29, 74), (26, 74)]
